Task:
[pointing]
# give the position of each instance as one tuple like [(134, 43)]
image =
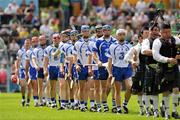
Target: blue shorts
[(32, 73), (121, 74), (74, 72), (21, 74), (83, 74), (103, 73), (95, 74), (40, 73), (53, 72)]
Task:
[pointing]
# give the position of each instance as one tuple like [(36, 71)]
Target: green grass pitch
[(11, 109)]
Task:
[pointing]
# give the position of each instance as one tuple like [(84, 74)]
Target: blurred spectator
[(32, 6), (54, 25), (111, 12), (13, 32), (82, 19), (125, 6), (66, 11), (11, 8), (44, 15), (152, 4), (160, 4), (23, 5), (141, 6), (129, 33), (13, 48), (143, 18), (3, 75), (1, 11), (173, 4), (169, 16), (14, 20), (8, 9), (28, 17), (45, 29), (23, 32)]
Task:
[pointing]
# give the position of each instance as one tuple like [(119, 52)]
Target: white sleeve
[(156, 52), (46, 52), (19, 54), (177, 41), (34, 54), (75, 49), (145, 46), (129, 56), (28, 55)]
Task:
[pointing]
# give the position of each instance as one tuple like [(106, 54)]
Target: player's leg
[(127, 73), (29, 91), (118, 86), (97, 94), (22, 83)]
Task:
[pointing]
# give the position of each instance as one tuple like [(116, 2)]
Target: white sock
[(166, 104), (155, 99), (146, 100), (140, 101), (76, 101), (175, 101)]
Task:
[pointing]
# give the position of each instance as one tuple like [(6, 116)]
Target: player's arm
[(34, 61), (56, 53), (45, 65), (158, 57), (70, 59), (17, 66), (90, 58), (110, 66)]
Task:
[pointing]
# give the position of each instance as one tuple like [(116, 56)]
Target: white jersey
[(38, 53), (82, 50), (29, 54), (117, 52), (53, 61), (130, 54), (21, 55)]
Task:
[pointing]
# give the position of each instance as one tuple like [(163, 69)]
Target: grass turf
[(11, 109)]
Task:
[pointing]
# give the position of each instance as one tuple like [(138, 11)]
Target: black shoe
[(86, 108), (114, 110), (126, 111), (75, 107), (99, 109), (53, 106), (141, 112), (41, 104), (62, 108), (83, 110), (92, 109), (27, 104), (119, 111), (162, 111), (23, 103), (106, 109), (175, 115)]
